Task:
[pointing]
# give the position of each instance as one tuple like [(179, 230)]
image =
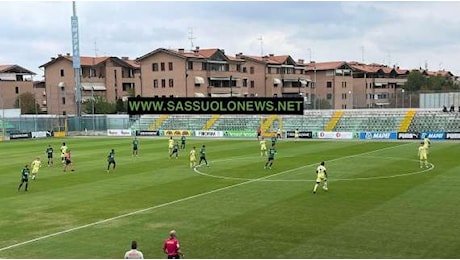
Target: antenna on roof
[(95, 48), (191, 38), (426, 65), (261, 39), (362, 54)]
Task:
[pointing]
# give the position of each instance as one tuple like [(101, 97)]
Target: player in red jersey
[(171, 246)]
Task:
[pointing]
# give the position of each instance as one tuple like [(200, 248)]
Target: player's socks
[(316, 187)]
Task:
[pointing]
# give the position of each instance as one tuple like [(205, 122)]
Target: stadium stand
[(352, 120), (435, 121), (370, 120)]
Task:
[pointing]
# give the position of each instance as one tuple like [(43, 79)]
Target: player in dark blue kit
[(175, 150)]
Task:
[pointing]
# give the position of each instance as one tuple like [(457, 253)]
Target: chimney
[(238, 55), (52, 58), (67, 54), (125, 58), (300, 61), (223, 51), (181, 50), (59, 55), (196, 50), (271, 54)]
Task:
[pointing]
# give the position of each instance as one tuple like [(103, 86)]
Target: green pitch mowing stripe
[(217, 218)]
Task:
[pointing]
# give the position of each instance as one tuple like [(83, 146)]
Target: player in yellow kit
[(193, 157), (170, 145), (426, 143), (263, 147), (321, 176), (35, 165), (63, 152), (423, 155)]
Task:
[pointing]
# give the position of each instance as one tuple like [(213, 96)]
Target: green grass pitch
[(380, 204)]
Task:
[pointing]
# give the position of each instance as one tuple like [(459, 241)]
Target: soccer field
[(380, 204)]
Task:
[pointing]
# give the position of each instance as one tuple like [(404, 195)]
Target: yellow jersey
[(170, 143), (426, 142), (192, 155), (321, 173), (64, 149), (263, 145), (36, 164), (422, 151)]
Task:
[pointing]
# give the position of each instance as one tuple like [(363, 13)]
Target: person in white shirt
[(134, 253)]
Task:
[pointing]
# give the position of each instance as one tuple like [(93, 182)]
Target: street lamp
[(3, 118), (402, 90), (92, 108), (231, 87), (351, 98), (299, 84)]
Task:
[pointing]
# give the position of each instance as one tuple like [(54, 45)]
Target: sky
[(405, 34)]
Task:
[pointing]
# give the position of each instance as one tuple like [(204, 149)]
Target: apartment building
[(14, 80), (346, 85), (110, 77), (212, 73), (39, 88), (277, 76)]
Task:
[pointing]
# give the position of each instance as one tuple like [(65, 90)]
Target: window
[(170, 66), (154, 66), (171, 83), (269, 70), (329, 96), (62, 73), (190, 65), (155, 83), (63, 100), (245, 82), (251, 70), (245, 70), (163, 83), (252, 83), (329, 84), (204, 66), (162, 66), (344, 95), (238, 67), (92, 73), (344, 84), (127, 86), (16, 89)]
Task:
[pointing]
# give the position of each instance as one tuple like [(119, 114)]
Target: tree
[(121, 107), (101, 106), (415, 81), (27, 103)]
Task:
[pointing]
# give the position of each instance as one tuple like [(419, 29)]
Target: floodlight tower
[(76, 61)]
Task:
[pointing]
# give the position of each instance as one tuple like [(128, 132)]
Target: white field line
[(309, 180), (174, 202)]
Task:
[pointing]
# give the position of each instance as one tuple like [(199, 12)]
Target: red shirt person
[(171, 246)]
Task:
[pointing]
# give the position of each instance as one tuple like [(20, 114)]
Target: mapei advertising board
[(377, 135), (433, 135)]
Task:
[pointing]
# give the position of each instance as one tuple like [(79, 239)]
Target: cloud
[(407, 33)]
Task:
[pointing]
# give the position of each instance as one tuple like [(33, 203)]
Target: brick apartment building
[(346, 85), (14, 80), (110, 77), (212, 73)]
